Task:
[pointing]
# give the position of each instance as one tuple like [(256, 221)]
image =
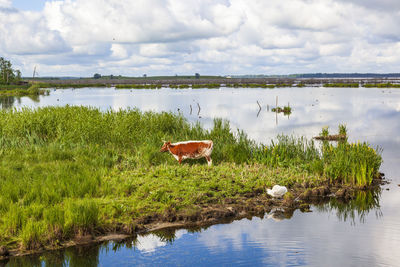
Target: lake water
[(331, 235)]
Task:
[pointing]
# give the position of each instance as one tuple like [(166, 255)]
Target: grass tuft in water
[(286, 110), (325, 131), (342, 129)]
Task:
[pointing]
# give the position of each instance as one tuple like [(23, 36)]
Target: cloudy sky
[(168, 37)]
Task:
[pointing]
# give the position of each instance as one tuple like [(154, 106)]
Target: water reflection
[(7, 102), (356, 209), (87, 256), (280, 215)]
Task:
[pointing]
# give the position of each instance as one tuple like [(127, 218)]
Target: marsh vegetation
[(71, 171), (351, 85), (381, 85), (174, 84)]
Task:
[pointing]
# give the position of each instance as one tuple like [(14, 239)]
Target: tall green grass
[(356, 163), (351, 163)]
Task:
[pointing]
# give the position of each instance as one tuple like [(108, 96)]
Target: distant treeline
[(120, 77), (324, 75), (348, 75), (260, 76)]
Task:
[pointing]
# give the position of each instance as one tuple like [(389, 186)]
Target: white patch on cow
[(192, 141), (175, 156)]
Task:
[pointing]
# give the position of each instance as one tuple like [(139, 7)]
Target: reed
[(356, 163), (342, 129), (325, 131)]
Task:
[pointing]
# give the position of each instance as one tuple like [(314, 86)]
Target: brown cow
[(190, 149)]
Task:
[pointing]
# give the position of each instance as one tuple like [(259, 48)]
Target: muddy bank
[(259, 203)]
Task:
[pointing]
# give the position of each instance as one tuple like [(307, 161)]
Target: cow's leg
[(209, 160), (180, 160)]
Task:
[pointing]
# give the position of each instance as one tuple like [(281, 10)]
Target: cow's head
[(165, 146)]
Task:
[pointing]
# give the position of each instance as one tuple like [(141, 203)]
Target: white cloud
[(5, 3), (154, 50), (149, 243), (139, 21), (213, 37), (27, 33), (119, 51)]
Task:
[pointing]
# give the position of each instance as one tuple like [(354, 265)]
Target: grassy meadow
[(69, 171)]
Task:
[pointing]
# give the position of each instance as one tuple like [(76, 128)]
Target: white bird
[(277, 191)]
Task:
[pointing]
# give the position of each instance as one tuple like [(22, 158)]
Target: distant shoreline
[(221, 81)]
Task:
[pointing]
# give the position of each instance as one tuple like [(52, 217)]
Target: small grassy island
[(22, 90), (76, 173), (325, 136), (286, 110)]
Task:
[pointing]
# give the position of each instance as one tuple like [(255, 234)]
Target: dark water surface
[(365, 232)]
